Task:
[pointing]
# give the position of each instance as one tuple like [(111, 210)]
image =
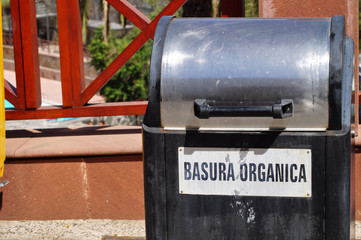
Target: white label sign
[(245, 172)]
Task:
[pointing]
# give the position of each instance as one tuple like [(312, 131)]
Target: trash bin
[(247, 134)]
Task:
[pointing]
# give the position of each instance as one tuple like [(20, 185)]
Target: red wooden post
[(30, 57), (233, 8), (18, 58), (71, 51)]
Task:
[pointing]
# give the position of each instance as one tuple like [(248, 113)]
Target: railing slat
[(18, 57), (29, 40), (131, 13), (71, 51), (105, 109), (117, 63), (128, 52)]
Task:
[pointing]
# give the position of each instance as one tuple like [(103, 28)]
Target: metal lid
[(246, 74)]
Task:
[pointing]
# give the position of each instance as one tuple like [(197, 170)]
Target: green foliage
[(131, 81), (251, 8), (5, 3), (84, 12)]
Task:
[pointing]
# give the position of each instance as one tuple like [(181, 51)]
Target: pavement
[(358, 229), (102, 229)]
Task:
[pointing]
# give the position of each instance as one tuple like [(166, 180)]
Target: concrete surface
[(72, 229), (358, 229), (81, 229)]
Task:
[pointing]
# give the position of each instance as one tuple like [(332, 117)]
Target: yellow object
[(2, 103)]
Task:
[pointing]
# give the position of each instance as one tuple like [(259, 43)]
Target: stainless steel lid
[(249, 66)]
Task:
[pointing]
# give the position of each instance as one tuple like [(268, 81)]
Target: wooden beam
[(71, 52), (131, 13), (19, 98), (30, 57), (128, 52), (117, 63), (94, 110)]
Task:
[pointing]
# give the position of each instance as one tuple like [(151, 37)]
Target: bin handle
[(204, 109)]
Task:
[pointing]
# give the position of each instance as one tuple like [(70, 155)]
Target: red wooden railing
[(26, 97)]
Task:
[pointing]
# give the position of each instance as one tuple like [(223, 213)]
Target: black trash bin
[(247, 134)]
